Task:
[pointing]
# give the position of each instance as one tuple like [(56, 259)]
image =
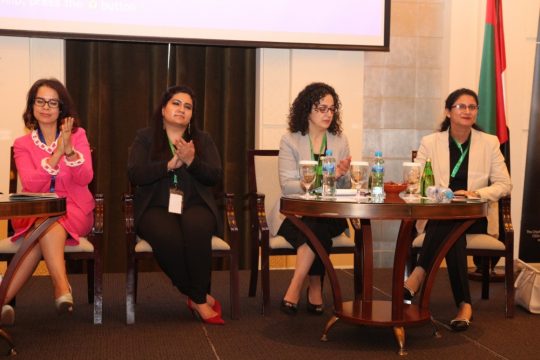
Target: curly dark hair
[(303, 104), (161, 143), (450, 101), (67, 107)]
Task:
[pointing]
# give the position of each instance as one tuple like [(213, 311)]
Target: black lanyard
[(53, 177)]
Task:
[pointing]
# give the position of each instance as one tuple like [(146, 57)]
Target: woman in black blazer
[(174, 167)]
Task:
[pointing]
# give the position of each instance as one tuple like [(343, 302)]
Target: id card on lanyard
[(176, 195)]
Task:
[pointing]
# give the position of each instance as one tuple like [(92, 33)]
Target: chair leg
[(131, 290), (509, 285), (254, 274), (90, 273), (234, 288), (97, 290), (265, 282), (485, 277)]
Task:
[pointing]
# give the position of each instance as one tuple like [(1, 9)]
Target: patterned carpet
[(165, 329)]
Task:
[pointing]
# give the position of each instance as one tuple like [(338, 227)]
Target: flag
[(491, 115)]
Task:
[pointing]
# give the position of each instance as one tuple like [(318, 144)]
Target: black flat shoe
[(460, 324), (312, 308), (288, 307)]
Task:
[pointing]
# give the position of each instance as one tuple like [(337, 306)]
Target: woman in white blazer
[(468, 161), (314, 127)]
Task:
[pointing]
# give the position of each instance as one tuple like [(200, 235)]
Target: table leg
[(26, 246)]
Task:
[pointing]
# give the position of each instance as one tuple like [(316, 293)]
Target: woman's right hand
[(174, 163)]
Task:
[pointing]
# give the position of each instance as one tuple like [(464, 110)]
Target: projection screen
[(337, 24)]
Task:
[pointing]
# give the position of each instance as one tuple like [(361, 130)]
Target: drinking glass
[(308, 173), (411, 176), (359, 176)]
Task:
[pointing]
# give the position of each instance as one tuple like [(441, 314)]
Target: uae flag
[(491, 115)]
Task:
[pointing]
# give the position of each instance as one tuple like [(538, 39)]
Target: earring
[(189, 128)]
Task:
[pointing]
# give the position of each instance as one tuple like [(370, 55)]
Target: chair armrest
[(127, 207), (99, 215), (261, 212), (505, 221), (230, 213)]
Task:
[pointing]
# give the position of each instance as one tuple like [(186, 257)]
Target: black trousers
[(182, 246), (456, 258), (324, 228)]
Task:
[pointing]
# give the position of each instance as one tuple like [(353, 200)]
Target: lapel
[(442, 158), (475, 158)]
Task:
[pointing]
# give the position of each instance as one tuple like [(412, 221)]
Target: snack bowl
[(394, 188)]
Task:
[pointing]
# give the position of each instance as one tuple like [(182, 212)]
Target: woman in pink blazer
[(53, 157)]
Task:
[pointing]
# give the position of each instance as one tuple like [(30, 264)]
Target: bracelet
[(70, 154)]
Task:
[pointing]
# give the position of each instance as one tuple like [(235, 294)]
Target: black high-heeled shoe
[(288, 307), (408, 295), (460, 324), (312, 308)]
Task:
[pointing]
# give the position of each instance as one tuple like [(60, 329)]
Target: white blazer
[(487, 171)]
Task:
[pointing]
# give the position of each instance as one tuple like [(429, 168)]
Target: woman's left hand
[(343, 167), (65, 133), (185, 151)]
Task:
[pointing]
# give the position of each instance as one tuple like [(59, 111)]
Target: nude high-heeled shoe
[(64, 303), (8, 315)]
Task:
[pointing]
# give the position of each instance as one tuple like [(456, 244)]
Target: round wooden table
[(49, 208), (363, 309)]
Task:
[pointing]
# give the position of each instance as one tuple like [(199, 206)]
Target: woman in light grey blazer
[(468, 161), (314, 127)]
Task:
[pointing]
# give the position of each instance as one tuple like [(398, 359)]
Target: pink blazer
[(72, 179)]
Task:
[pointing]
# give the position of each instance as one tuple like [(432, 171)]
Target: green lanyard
[(461, 158), (323, 145), (175, 177)]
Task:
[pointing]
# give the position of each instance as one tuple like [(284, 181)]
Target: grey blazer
[(294, 147)]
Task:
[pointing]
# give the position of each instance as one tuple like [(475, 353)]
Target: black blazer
[(150, 176)]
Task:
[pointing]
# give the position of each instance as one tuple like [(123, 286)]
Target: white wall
[(282, 74)]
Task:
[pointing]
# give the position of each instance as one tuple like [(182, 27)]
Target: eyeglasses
[(463, 107), (323, 109), (53, 103)]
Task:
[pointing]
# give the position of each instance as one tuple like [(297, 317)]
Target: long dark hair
[(303, 104), (66, 106), (450, 101), (161, 148)]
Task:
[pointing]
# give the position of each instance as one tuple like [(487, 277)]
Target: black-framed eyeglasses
[(463, 107), (52, 103), (323, 109)]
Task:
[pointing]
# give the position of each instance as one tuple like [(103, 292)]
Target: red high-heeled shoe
[(214, 320), (217, 307)]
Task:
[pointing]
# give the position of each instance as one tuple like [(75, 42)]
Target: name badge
[(176, 197)]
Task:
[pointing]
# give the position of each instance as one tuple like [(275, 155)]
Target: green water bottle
[(427, 178)]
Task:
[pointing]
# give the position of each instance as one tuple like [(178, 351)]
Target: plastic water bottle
[(329, 174), (377, 178), (427, 178), (439, 194)]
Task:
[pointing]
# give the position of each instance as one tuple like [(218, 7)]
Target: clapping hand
[(343, 167), (65, 135), (184, 153)]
